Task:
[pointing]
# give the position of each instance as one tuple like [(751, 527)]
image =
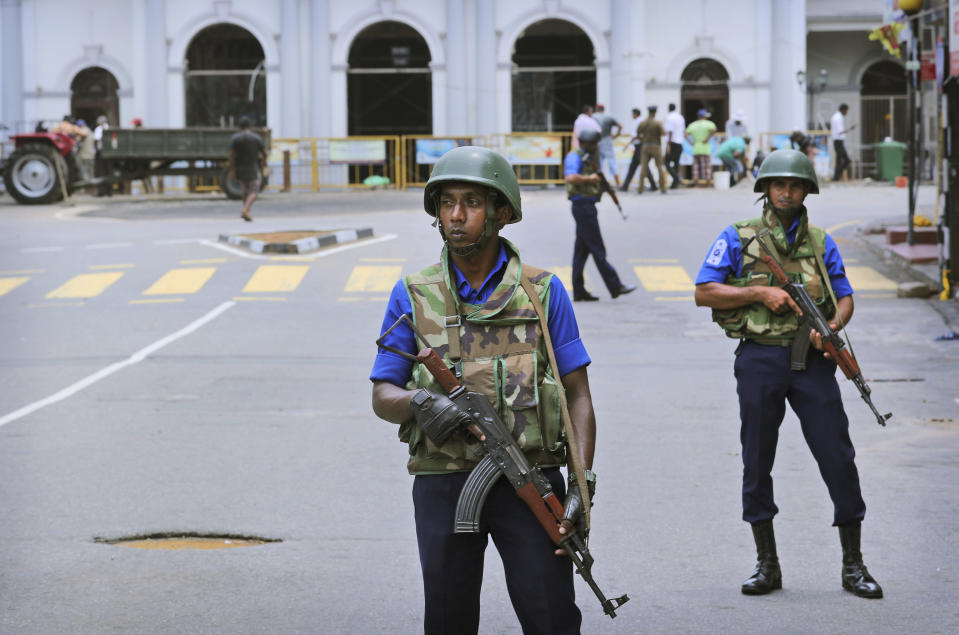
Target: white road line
[(108, 245), (36, 250), (105, 372), (326, 252), (177, 241)]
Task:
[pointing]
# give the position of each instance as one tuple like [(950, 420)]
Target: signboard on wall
[(357, 151), (534, 149)]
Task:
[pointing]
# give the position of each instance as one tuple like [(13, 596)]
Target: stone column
[(319, 63), (155, 78), (455, 42), (485, 30), (787, 105), (11, 66), (289, 69)]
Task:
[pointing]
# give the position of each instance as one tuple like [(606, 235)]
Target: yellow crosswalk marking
[(181, 281), (85, 285), (373, 278), (9, 284), (868, 279), (276, 278), (664, 278)]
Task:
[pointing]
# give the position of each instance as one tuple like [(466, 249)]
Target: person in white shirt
[(837, 131), (583, 121), (675, 126), (736, 127)]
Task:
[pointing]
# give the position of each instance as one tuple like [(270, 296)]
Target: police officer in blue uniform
[(473, 193), (583, 190), (771, 369)]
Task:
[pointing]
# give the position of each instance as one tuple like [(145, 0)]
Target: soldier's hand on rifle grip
[(439, 417), (815, 338), (778, 301)]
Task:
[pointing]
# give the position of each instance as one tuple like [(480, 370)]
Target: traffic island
[(295, 241)]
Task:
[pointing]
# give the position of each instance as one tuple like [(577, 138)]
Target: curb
[(300, 246)]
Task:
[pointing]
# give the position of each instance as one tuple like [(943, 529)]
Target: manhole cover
[(181, 541)]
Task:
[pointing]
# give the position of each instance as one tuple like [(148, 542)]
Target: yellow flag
[(888, 35)]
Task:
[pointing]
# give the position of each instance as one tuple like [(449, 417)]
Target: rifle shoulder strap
[(574, 463), (817, 249)]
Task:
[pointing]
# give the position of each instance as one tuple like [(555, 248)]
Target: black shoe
[(855, 576), (585, 296), (768, 576), (623, 290), (624, 189)]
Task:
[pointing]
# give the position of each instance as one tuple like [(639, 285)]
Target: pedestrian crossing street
[(370, 280)]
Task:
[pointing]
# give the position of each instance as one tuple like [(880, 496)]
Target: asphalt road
[(246, 412)]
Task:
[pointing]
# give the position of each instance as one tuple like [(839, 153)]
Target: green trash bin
[(889, 159)]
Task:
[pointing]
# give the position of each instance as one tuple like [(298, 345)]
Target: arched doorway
[(225, 78), (882, 108), (93, 92), (883, 102), (389, 83), (705, 85), (554, 75)]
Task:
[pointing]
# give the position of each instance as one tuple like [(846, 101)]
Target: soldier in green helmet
[(482, 309), (771, 368)]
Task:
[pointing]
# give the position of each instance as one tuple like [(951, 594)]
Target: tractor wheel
[(31, 174), (232, 187)]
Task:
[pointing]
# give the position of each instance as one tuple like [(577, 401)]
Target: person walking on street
[(247, 159), (774, 362), (583, 190), (699, 133), (675, 127), (637, 144), (837, 131), (497, 343), (607, 152), (652, 134)]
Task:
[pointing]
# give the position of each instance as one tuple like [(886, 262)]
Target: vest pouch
[(550, 414), (813, 284), (518, 389), (733, 321)]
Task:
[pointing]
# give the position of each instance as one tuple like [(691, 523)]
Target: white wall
[(641, 49)]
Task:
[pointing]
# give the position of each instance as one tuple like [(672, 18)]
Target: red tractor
[(42, 167)]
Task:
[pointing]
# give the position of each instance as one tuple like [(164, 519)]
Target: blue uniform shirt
[(561, 321), (725, 259), (572, 165)]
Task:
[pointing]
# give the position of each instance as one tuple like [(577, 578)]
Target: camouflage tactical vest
[(502, 355), (799, 261), (590, 189)]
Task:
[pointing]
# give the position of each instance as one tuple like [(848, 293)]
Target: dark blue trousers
[(589, 242), (540, 583), (764, 382)]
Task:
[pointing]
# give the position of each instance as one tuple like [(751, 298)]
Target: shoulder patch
[(717, 252)]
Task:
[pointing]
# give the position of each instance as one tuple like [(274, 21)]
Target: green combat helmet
[(474, 164), (787, 163)]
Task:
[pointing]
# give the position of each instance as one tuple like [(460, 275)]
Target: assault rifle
[(604, 185), (832, 343), (503, 457)]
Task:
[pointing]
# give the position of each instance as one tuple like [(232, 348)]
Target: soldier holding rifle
[(585, 185), (774, 362), (482, 310)]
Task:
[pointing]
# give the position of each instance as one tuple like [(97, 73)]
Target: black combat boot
[(855, 576), (767, 576)]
